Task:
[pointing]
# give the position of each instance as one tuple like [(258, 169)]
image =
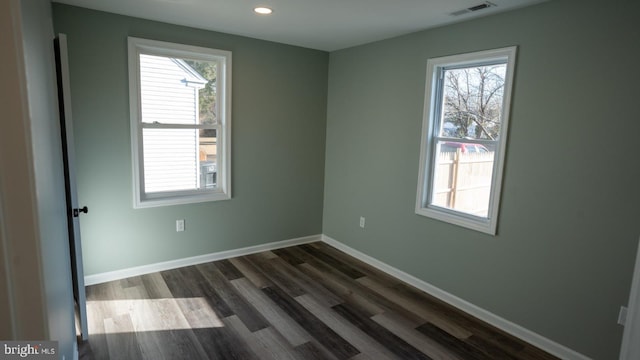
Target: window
[(180, 99), (464, 134)]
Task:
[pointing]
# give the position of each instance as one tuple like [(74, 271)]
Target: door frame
[(66, 129)]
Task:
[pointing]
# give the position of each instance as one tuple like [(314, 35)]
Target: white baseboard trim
[(195, 260), (630, 348), (518, 331)]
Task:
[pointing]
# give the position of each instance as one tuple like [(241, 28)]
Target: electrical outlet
[(622, 315), (180, 225), (362, 222)]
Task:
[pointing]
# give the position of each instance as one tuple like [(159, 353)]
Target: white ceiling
[(318, 24)]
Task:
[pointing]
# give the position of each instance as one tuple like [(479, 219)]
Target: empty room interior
[(334, 180)]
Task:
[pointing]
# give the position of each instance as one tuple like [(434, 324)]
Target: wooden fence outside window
[(462, 181)]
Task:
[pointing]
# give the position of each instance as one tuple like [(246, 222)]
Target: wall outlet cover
[(179, 225), (622, 315)]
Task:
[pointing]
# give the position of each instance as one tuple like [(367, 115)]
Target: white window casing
[(435, 137), (165, 126)]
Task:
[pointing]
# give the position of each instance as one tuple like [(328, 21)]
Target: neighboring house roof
[(193, 79)]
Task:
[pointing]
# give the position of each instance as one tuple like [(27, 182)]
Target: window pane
[(177, 91), (472, 102), (208, 157), (179, 159), (462, 177), (170, 159)]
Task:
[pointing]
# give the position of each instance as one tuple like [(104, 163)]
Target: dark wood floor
[(305, 302)]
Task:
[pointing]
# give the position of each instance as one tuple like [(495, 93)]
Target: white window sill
[(467, 221), (179, 200)]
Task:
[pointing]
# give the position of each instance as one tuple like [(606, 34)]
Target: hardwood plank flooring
[(305, 302)]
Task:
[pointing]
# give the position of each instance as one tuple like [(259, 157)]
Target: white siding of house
[(170, 155), (170, 159), (166, 98)]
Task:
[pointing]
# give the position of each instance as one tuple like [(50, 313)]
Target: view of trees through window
[(208, 115), (472, 102), (207, 95), (470, 123)]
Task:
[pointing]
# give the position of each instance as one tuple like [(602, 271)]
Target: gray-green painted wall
[(562, 261), (278, 126)]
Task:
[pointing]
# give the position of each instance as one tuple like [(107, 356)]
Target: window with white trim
[(464, 136), (180, 100)]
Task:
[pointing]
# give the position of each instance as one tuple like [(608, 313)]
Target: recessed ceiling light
[(263, 10)]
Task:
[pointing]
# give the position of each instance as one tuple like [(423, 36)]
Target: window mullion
[(177, 126), (464, 141)]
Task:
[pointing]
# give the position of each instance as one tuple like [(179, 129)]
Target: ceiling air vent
[(484, 5)]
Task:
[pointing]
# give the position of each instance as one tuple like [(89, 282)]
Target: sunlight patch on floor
[(129, 315)]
